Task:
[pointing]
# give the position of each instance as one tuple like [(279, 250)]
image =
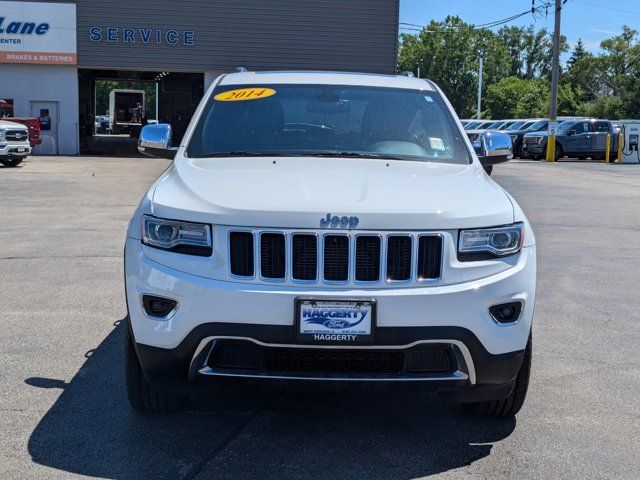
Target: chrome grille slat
[(272, 255), (336, 258), (266, 255)]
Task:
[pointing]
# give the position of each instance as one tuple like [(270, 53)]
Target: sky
[(591, 20)]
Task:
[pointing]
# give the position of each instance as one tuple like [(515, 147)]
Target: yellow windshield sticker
[(241, 94)]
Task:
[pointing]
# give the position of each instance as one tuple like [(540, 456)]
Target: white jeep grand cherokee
[(327, 227)]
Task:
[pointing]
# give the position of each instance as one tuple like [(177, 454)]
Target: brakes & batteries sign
[(41, 33)]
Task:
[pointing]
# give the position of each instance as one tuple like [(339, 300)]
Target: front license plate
[(335, 321), (21, 149)]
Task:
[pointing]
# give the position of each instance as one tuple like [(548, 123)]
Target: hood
[(12, 125), (542, 133), (296, 192)]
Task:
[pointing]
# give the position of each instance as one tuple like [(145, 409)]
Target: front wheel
[(11, 161), (511, 405), (143, 396), (558, 153)]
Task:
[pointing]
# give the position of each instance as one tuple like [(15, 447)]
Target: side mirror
[(496, 147), (155, 141), (571, 132)]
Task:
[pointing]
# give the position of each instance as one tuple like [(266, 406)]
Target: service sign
[(39, 33), (553, 128)]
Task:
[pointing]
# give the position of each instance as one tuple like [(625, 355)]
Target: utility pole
[(555, 73), (480, 86)]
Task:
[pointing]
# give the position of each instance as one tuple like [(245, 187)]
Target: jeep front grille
[(368, 258)]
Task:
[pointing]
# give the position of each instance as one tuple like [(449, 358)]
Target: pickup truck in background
[(33, 125), (579, 138), (14, 143)]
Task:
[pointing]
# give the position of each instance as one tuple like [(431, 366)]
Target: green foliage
[(517, 70)]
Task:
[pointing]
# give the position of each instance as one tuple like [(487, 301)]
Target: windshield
[(328, 120), (535, 126), (516, 125), (565, 126)]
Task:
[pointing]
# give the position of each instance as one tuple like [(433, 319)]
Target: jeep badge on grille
[(335, 221)]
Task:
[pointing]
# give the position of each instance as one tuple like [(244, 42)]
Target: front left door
[(47, 113), (580, 142)]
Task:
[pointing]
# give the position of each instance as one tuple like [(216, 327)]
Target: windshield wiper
[(243, 153), (384, 156), (332, 154)]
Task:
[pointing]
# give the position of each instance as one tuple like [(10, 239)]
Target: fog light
[(157, 306), (506, 312)]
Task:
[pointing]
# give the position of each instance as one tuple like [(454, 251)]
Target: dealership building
[(53, 54)]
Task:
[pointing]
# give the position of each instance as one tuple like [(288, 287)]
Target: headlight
[(487, 243), (181, 237)]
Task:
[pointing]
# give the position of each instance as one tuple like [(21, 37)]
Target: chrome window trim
[(198, 365)]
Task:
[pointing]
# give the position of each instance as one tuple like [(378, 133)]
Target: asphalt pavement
[(64, 413)]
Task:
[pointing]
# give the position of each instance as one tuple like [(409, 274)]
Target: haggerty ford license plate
[(335, 320)]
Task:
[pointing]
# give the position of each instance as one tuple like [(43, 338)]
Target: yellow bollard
[(551, 148), (607, 149), (620, 140)]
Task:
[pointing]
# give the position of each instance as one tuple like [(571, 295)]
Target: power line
[(607, 8), (483, 26)]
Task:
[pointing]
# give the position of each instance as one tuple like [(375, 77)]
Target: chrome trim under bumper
[(465, 370)]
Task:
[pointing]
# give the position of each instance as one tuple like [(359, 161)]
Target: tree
[(517, 70), (578, 53)]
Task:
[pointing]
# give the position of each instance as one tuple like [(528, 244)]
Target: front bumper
[(22, 149), (533, 149), (453, 316)]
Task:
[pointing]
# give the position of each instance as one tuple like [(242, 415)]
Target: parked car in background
[(524, 127), (14, 143), (32, 124), (585, 138), (508, 124), (102, 124), (471, 125)]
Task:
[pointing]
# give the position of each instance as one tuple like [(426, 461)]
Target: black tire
[(11, 161), (511, 405), (558, 153), (488, 169), (143, 396)]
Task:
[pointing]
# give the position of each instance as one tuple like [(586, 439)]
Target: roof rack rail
[(407, 74), (241, 69)]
